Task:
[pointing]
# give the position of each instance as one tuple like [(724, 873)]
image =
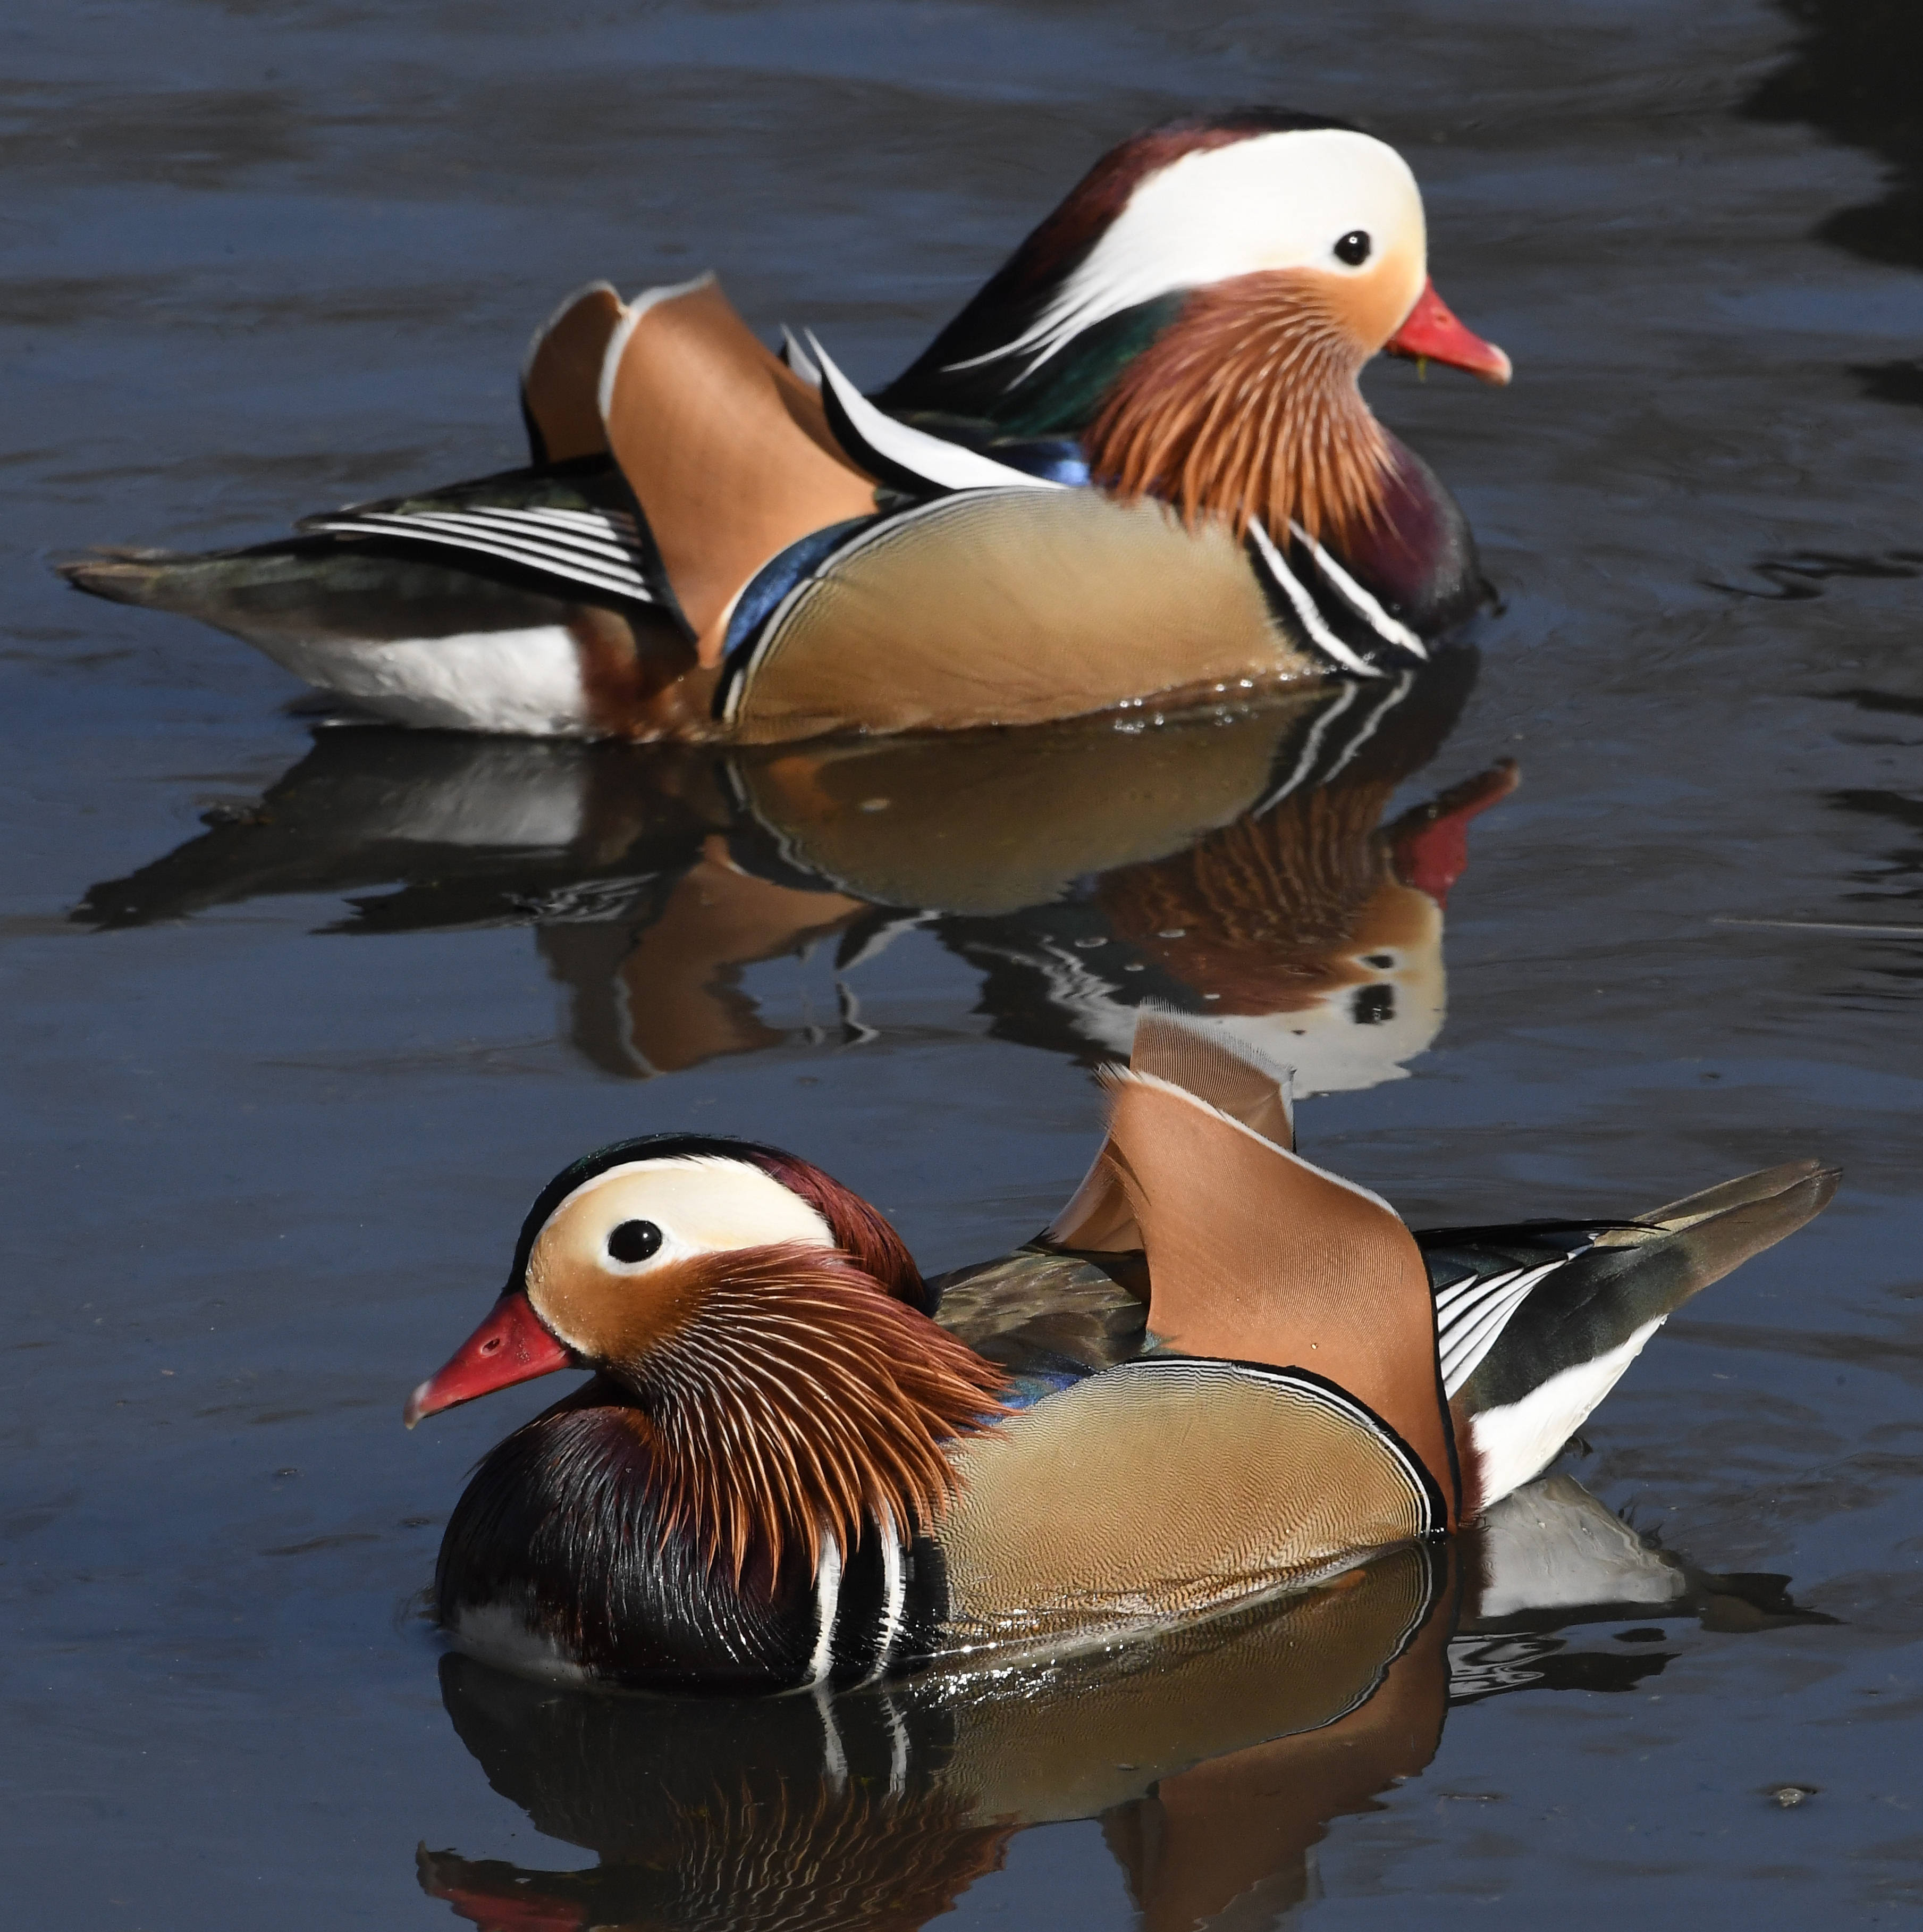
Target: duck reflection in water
[(1233, 864), (1214, 1757)]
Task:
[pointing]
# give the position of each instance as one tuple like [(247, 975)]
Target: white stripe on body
[(1361, 602), (602, 563), (1276, 568), (827, 1606), (895, 1597), (947, 465), (1470, 1318)]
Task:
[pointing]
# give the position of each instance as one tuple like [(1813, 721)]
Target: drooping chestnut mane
[(795, 1400), (1246, 408)]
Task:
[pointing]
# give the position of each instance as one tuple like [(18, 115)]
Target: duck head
[(758, 1330), (1197, 312)]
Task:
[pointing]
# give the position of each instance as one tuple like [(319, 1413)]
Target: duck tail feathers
[(142, 577), (1720, 1228), (1531, 1341)]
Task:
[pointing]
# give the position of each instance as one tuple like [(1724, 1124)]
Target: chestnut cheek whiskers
[(1246, 408), (795, 1400)]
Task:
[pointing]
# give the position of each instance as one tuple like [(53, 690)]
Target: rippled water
[(300, 1018)]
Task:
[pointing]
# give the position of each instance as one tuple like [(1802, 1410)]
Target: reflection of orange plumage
[(1269, 913), (684, 1004), (764, 1852), (1259, 912), (1210, 1834)]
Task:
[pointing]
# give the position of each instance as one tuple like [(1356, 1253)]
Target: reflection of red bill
[(1431, 844), (516, 1915), (506, 1902), (509, 1346), (1430, 331)]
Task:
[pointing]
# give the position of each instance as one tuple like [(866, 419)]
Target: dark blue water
[(278, 1096)]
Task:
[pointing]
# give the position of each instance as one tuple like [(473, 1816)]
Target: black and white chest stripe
[(879, 1609), (1314, 597)]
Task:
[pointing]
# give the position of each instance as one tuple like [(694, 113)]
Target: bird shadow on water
[(1214, 1758), (1233, 863)]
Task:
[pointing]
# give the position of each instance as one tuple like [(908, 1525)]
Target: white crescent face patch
[(1271, 201), (689, 1205)]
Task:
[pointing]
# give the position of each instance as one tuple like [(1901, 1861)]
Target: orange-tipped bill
[(1431, 333), (509, 1346)]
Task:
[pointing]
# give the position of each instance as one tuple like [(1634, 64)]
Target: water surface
[(281, 1085)]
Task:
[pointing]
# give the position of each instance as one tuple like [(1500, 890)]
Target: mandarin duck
[(1135, 466), (1221, 1373)]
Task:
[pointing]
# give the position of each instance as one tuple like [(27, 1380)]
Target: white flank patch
[(498, 1633), (527, 682), (1272, 201), (1513, 1444)]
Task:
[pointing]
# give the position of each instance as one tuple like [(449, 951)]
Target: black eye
[(634, 1241), (1354, 248)]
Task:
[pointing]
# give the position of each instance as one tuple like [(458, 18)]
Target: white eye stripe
[(1273, 201), (703, 1204)]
